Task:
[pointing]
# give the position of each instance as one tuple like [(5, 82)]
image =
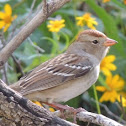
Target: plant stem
[(96, 98)]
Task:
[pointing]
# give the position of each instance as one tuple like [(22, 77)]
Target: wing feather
[(62, 68)]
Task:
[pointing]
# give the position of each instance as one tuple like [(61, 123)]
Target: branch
[(97, 119), (35, 46), (90, 117), (16, 110), (110, 113), (4, 74), (28, 28), (18, 65)]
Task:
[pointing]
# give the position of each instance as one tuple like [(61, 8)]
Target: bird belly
[(67, 91)]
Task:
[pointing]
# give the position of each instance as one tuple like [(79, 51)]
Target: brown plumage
[(69, 74), (94, 33)]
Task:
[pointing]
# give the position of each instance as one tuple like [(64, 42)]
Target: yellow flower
[(56, 25), (123, 94), (86, 19), (123, 100), (104, 1), (37, 103), (6, 17), (111, 93), (125, 2), (107, 65), (51, 110)]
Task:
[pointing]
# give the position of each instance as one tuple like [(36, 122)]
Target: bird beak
[(110, 42)]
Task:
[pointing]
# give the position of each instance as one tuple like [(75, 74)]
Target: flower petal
[(111, 66), (55, 26), (104, 1), (123, 99), (109, 96), (2, 24), (115, 79), (2, 15), (51, 110), (110, 58), (6, 27), (117, 83), (104, 97), (8, 10), (123, 102), (106, 71), (37, 103), (108, 80), (113, 96), (100, 88)]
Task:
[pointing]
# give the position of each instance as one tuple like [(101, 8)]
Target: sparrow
[(69, 74)]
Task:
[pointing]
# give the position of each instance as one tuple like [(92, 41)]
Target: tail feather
[(16, 86)]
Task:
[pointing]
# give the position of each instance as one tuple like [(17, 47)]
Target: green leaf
[(119, 4), (54, 44), (66, 42)]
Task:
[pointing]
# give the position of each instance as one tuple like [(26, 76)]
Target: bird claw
[(62, 109), (71, 109), (75, 111)]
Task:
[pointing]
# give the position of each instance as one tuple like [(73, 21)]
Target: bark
[(16, 110)]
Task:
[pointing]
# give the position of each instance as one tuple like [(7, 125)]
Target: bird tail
[(16, 86)]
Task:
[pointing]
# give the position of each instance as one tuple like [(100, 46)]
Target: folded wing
[(54, 72)]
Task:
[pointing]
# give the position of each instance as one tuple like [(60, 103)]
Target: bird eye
[(95, 42)]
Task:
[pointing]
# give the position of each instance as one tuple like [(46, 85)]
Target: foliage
[(108, 17)]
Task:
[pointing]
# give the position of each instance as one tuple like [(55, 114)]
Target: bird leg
[(62, 108)]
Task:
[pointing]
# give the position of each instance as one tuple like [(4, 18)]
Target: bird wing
[(54, 72)]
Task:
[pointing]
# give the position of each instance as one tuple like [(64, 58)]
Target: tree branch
[(16, 110), (28, 28), (97, 119), (90, 117), (110, 113)]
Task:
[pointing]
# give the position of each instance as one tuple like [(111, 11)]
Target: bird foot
[(75, 111), (63, 108)]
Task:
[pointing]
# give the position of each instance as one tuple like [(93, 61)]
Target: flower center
[(7, 19), (56, 25)]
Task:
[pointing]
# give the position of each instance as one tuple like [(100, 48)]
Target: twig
[(32, 6), (35, 46), (97, 119), (29, 27), (28, 17), (5, 73), (110, 113), (18, 65), (90, 117)]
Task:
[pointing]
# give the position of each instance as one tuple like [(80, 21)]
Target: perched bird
[(69, 74)]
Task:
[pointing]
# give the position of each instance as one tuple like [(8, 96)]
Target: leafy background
[(111, 18)]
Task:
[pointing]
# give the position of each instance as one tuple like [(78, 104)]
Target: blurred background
[(108, 95)]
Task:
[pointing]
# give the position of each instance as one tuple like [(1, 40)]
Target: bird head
[(92, 42)]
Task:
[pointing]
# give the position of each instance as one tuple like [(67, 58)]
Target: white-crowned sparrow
[(69, 74)]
